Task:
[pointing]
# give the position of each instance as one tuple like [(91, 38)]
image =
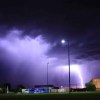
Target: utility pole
[(69, 62), (68, 57), (47, 73)]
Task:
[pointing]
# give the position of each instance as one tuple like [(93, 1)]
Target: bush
[(78, 90), (90, 86), (1, 90)]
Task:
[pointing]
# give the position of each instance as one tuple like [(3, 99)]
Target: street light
[(68, 46), (47, 73), (63, 41)]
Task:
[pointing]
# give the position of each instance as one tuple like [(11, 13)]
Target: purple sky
[(30, 37), (24, 59)]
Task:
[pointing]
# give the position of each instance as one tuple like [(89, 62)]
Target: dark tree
[(4, 87), (8, 85), (90, 86), (19, 88)]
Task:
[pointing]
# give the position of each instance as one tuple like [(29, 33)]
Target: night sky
[(30, 35)]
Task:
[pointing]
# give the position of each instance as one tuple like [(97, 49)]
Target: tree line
[(6, 87)]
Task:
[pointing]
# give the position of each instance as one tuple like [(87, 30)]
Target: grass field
[(53, 96)]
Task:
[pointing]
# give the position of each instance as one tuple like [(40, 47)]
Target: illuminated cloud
[(28, 55), (25, 59)]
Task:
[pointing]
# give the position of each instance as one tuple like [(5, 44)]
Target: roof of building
[(37, 86)]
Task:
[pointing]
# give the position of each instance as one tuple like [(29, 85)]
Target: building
[(38, 89), (96, 82), (45, 88)]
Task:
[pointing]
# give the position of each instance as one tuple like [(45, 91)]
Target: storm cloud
[(24, 58)]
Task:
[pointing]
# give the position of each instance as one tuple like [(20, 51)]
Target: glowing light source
[(63, 41)]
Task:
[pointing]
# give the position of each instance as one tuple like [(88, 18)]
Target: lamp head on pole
[(63, 41)]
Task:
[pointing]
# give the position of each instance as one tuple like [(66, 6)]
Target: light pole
[(68, 46), (47, 73)]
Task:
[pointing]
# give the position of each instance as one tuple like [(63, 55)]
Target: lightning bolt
[(73, 69)]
